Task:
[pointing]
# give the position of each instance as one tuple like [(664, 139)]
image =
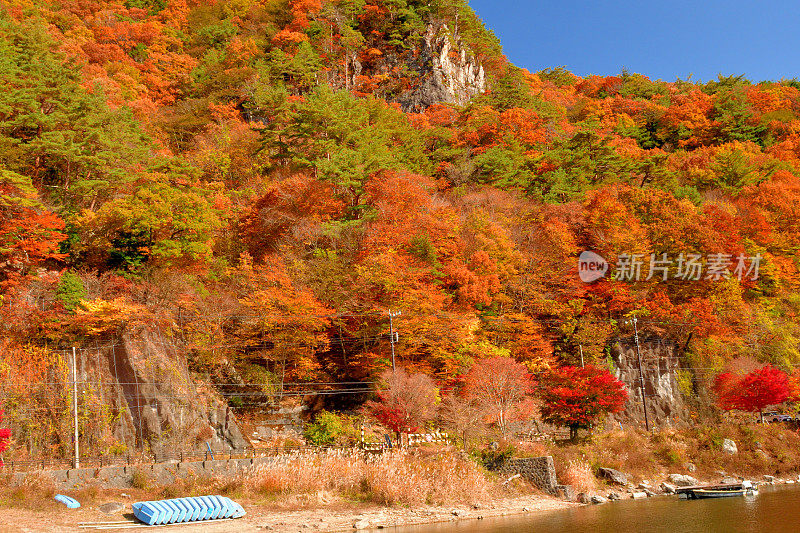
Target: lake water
[(774, 509)]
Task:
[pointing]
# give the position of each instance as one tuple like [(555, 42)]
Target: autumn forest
[(264, 181)]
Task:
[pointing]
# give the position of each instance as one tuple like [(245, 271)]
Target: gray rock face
[(668, 488), (448, 72), (728, 446), (682, 480), (638, 495), (584, 498), (613, 496), (147, 380), (665, 403), (615, 476), (597, 499), (729, 480)]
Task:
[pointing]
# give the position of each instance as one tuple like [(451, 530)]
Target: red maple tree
[(5, 435), (752, 392), (577, 397)]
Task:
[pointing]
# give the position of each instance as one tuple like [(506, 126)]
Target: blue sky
[(660, 39)]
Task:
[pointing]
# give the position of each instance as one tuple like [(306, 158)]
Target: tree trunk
[(573, 433)]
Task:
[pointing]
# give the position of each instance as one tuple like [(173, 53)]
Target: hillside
[(256, 184)]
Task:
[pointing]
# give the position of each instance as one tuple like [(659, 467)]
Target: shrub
[(140, 479), (117, 448), (329, 429), (70, 291), (494, 457)]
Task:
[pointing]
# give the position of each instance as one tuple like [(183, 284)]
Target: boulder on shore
[(682, 480), (615, 476), (667, 488)]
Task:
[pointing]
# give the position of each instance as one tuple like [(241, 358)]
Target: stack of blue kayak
[(192, 509)]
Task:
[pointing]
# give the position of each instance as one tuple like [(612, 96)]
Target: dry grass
[(763, 449), (580, 475), (389, 478), (628, 451), (305, 479), (34, 492)]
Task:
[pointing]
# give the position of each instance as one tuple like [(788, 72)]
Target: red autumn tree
[(577, 397), (5, 435), (502, 385), (752, 392), (405, 401)]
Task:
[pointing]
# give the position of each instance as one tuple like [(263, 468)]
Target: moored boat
[(726, 490)]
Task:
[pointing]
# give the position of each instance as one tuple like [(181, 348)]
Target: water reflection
[(775, 509)]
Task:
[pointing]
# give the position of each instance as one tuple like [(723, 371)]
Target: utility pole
[(581, 345), (75, 405), (392, 335), (641, 375)]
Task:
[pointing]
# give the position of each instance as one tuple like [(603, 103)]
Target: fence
[(415, 439)]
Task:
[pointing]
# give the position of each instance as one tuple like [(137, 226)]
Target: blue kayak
[(71, 503), (179, 510)]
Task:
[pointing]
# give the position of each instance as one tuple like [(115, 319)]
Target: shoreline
[(331, 518)]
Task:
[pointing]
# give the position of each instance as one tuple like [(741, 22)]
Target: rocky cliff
[(447, 72), (441, 69), (142, 379), (660, 362)]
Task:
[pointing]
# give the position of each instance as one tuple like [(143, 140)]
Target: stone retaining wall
[(162, 473), (540, 471)]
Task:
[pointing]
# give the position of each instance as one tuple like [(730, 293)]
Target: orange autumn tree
[(281, 321), (29, 234), (502, 385)]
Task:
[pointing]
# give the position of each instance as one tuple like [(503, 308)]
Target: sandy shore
[(324, 519)]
